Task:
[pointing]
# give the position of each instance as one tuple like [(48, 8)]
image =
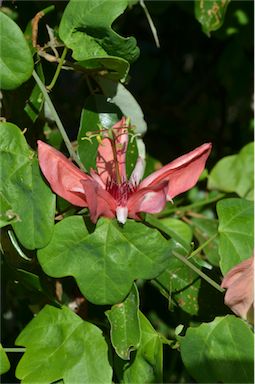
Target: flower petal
[(150, 200), (63, 176), (239, 283), (182, 173), (105, 158), (100, 202)]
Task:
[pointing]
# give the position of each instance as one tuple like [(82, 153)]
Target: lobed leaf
[(60, 345), (86, 28), (107, 261), (220, 351)]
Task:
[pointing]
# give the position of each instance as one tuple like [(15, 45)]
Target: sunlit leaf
[(16, 62), (32, 202), (60, 345), (147, 362), (4, 361), (235, 173), (106, 261), (236, 231), (220, 351), (86, 28), (211, 13), (125, 325)]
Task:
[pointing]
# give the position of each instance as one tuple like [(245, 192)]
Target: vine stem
[(55, 77), (157, 224), (58, 121), (14, 349), (151, 24), (190, 206), (202, 246), (184, 260)]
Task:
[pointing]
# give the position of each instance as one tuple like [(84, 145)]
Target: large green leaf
[(60, 345), (32, 202), (147, 362), (236, 231), (125, 324), (86, 28), (4, 361), (220, 351), (16, 62), (211, 13), (235, 173), (104, 262)]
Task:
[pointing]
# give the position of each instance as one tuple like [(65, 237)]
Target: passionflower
[(239, 282), (107, 191)]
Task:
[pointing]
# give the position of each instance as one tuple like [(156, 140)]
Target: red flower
[(239, 284), (108, 192)]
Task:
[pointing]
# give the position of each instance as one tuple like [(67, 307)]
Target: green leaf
[(96, 112), (236, 231), (125, 325), (179, 282), (16, 62), (60, 345), (204, 229), (86, 28), (220, 351), (147, 362), (32, 202), (235, 173), (104, 262), (4, 361), (210, 13), (110, 67)]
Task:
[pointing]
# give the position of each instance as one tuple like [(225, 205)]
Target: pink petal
[(182, 173), (105, 158), (100, 202), (239, 284), (150, 200), (63, 176)]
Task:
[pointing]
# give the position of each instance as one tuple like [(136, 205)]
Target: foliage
[(136, 302)]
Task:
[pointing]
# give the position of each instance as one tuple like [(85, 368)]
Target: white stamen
[(121, 213), (138, 171)]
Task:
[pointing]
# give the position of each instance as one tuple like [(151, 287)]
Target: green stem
[(151, 24), (200, 273), (58, 121), (55, 77), (191, 206), (202, 246), (14, 349)]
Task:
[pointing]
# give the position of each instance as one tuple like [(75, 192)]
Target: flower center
[(120, 192)]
